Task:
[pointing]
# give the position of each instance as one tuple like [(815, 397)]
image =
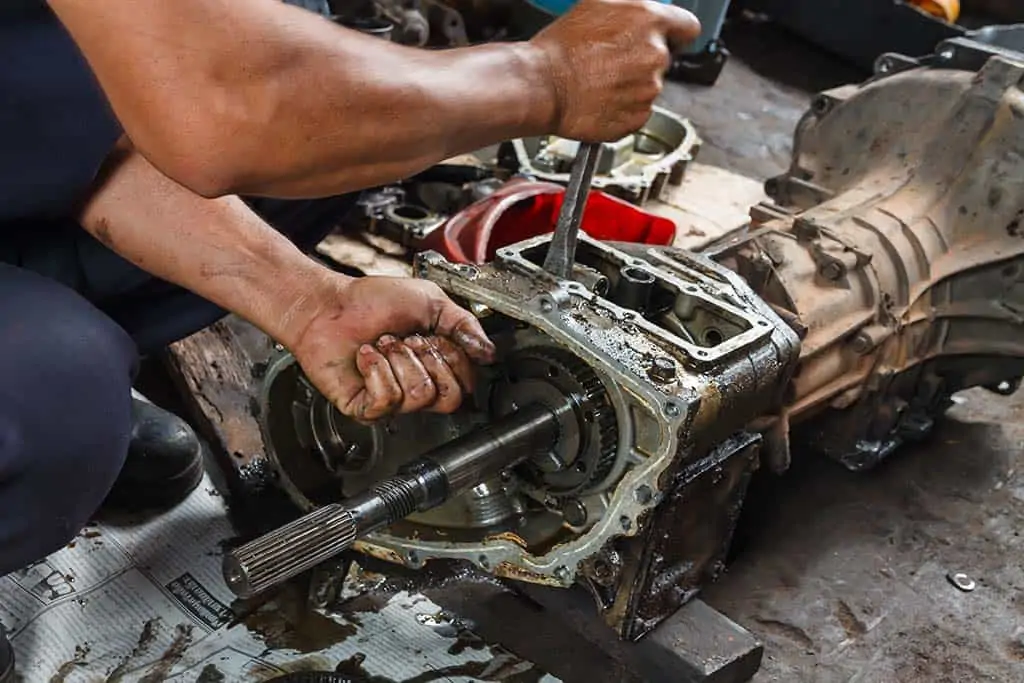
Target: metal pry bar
[(562, 250)]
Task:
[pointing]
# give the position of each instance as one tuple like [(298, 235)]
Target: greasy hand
[(606, 60), (382, 345)]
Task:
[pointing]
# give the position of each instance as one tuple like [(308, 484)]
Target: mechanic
[(128, 132)]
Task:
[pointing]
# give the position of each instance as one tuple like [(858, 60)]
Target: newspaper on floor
[(147, 603)]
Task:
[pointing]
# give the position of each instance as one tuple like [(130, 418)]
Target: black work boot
[(164, 462), (6, 658)]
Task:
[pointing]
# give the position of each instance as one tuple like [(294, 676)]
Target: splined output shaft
[(426, 483)]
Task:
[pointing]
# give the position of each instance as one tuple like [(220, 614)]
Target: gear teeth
[(596, 403)]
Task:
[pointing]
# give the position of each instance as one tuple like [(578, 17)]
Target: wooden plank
[(214, 370), (697, 644)]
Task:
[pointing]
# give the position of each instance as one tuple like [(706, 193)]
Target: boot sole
[(135, 496)]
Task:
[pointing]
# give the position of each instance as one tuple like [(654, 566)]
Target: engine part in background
[(515, 211), (859, 31), (636, 168), (895, 248), (638, 498), (363, 16), (702, 62), (970, 51)]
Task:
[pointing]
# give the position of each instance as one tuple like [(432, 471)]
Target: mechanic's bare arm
[(332, 323), (262, 98), (217, 248)]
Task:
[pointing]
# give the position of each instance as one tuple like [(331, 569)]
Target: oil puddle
[(503, 667), (68, 667), (146, 638)]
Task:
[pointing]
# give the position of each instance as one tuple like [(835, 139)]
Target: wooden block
[(697, 644), (214, 370)]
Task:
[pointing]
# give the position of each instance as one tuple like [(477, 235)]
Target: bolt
[(861, 344), (574, 512), (547, 305), (672, 409), (563, 575), (625, 523), (644, 494), (832, 270), (662, 370)]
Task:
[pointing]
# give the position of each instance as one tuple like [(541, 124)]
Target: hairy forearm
[(217, 248), (263, 98)]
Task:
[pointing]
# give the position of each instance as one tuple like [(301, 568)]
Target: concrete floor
[(844, 576)]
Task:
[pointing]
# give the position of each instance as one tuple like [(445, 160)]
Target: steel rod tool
[(562, 250)]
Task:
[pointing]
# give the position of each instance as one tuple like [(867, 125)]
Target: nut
[(662, 370)]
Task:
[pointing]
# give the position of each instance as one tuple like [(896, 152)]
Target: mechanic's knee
[(65, 414)]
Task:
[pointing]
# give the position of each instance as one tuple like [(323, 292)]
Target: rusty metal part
[(896, 244), (637, 168)]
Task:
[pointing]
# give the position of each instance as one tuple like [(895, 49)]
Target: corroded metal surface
[(895, 249), (667, 368)]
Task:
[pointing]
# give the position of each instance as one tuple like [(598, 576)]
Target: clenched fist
[(380, 345), (606, 61)]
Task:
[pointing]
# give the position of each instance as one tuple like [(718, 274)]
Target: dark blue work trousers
[(74, 316)]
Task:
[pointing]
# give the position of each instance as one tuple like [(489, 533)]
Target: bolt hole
[(484, 562), (762, 323), (414, 557), (712, 336), (625, 523), (410, 212), (637, 274), (702, 354)]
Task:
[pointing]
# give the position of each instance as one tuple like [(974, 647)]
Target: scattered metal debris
[(962, 581)]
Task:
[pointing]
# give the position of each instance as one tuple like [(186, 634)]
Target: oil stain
[(853, 626), (503, 667), (146, 638), (288, 624), (794, 633), (65, 669), (170, 657), (211, 674)]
